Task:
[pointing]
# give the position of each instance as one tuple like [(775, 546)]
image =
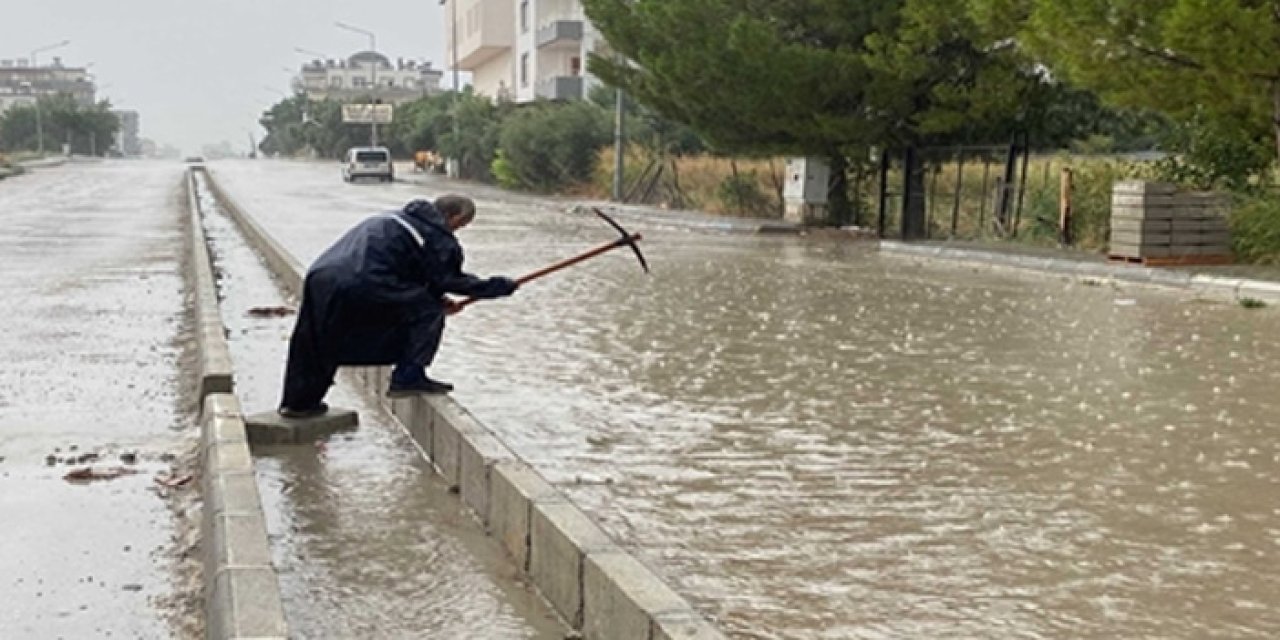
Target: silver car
[(368, 162)]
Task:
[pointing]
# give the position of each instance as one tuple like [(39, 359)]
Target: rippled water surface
[(811, 440)]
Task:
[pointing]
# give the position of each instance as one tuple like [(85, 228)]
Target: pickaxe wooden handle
[(627, 240)]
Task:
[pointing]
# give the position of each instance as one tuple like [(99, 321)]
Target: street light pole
[(619, 143), (373, 47), (453, 51), (47, 47)]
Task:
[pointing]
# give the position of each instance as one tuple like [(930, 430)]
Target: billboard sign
[(366, 113)]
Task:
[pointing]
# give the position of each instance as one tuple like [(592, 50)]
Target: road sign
[(367, 113)]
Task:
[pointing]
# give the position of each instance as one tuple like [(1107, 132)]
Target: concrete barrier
[(586, 576), (241, 588), (215, 359)]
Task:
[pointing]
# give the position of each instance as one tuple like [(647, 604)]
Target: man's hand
[(504, 286), (451, 306)]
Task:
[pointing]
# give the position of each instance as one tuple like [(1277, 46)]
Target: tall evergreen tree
[(1211, 64), (819, 77)]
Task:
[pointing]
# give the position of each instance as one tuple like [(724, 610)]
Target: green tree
[(88, 129), (1209, 64), (472, 138), (820, 77), (549, 146), (420, 124)]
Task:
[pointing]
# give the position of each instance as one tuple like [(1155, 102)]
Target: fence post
[(982, 201), (1022, 182), (1064, 208), (1010, 174), (955, 203), (884, 192)]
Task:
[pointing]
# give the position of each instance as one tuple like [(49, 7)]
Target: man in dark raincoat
[(377, 297)]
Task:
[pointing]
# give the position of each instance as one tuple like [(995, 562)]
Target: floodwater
[(92, 345), (368, 541), (812, 440)]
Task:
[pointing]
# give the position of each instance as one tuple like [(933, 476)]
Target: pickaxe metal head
[(627, 238)]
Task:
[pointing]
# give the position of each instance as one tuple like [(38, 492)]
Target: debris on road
[(270, 312), (173, 480), (97, 473)]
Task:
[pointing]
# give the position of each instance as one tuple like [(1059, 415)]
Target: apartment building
[(368, 73), (127, 140), (522, 50), (22, 83)]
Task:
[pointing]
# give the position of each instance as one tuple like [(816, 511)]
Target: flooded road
[(92, 343), (810, 440), (367, 540)]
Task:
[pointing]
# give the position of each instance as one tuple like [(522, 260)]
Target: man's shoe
[(298, 414), (417, 388)]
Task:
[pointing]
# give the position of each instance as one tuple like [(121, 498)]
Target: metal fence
[(965, 191)]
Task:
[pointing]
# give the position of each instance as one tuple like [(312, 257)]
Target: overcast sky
[(201, 71)]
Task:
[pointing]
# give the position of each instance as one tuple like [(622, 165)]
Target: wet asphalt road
[(91, 343)]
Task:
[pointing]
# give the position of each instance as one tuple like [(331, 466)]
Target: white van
[(368, 162)]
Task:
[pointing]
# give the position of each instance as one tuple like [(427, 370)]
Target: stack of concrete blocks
[(1155, 220)]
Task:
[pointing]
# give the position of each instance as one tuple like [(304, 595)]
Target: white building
[(127, 140), (522, 49), (368, 73), (21, 83)]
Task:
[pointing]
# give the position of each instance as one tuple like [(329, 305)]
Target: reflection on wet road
[(368, 541), (91, 345), (811, 440)]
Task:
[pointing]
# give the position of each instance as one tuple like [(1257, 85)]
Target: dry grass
[(699, 178), (968, 191)]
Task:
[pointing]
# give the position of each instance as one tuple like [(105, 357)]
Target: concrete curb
[(215, 357), (242, 590), (1228, 289), (552, 541), (43, 163)]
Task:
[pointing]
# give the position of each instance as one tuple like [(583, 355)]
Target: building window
[(524, 70), (335, 82), (359, 82), (524, 16)]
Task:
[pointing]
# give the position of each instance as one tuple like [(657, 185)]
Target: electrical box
[(806, 180)]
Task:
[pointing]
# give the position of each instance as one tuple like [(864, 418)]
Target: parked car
[(368, 162)]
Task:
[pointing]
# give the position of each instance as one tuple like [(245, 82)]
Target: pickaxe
[(627, 240)]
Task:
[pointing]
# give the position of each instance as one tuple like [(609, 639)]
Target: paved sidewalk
[(1229, 281)]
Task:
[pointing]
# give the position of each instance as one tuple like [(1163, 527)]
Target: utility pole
[(453, 51), (619, 144)]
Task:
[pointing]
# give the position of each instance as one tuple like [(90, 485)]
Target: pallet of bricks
[(1155, 224)]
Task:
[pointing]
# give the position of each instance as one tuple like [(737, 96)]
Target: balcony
[(560, 34), (560, 88)]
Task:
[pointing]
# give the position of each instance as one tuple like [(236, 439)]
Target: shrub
[(1255, 229), (549, 147), (740, 193)]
